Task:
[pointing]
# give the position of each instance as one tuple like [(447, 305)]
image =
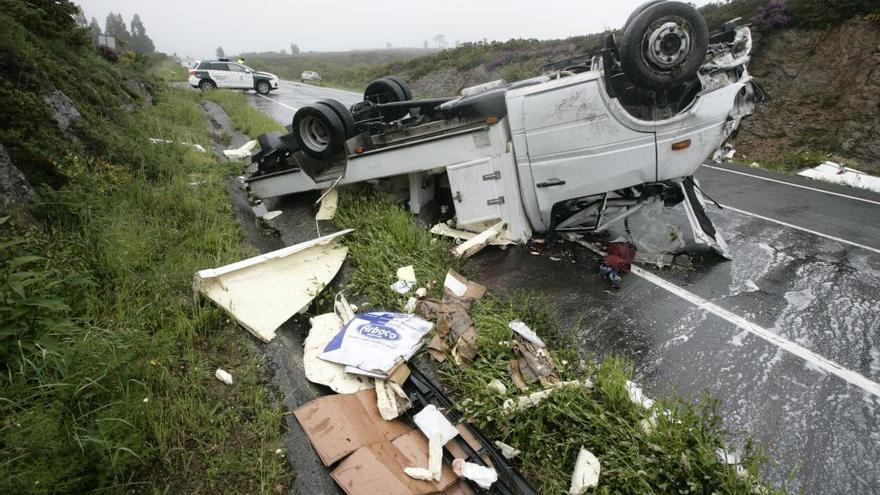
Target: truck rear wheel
[(385, 90), (318, 131), (664, 45), (343, 114)]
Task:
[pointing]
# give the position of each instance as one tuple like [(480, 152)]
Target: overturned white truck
[(576, 149)]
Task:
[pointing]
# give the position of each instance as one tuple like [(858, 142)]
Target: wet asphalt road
[(821, 293)]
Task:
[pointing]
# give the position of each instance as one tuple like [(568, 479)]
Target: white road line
[(273, 100), (784, 224), (849, 376), (794, 185)]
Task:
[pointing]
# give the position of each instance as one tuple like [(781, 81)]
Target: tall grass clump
[(107, 361)]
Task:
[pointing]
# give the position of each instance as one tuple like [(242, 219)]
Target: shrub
[(108, 53), (773, 16)]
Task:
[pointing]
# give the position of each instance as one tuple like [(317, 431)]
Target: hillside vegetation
[(107, 361), (338, 69)]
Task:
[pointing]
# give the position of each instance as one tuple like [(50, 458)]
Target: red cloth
[(620, 257)]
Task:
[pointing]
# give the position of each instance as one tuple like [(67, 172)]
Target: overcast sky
[(197, 27)]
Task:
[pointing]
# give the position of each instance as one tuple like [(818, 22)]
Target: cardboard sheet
[(338, 425), (378, 468)]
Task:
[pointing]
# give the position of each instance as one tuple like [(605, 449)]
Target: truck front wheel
[(664, 45)]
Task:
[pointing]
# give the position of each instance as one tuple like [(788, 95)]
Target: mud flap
[(703, 228)]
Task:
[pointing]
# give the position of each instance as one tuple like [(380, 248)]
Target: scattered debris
[(421, 292), (263, 292), (435, 456), (476, 244), (460, 290), (525, 332), (345, 311), (329, 203), (401, 287), (391, 399), (617, 262), (375, 342), (506, 450), (431, 421), (533, 364), (223, 376), (382, 468), (724, 154), (527, 401), (333, 375), (481, 475), (637, 396), (407, 274), (195, 146), (586, 473), (410, 306), (337, 425), (446, 230), (456, 333), (497, 386), (836, 173), (272, 215), (241, 153)]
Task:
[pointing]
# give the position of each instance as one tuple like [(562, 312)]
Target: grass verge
[(107, 361), (677, 455), (246, 118)]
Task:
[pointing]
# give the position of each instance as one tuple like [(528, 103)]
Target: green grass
[(679, 456), (385, 240), (344, 70), (108, 377), (246, 118)]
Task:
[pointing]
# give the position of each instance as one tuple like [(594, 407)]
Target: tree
[(94, 30), (220, 52), (294, 49), (115, 26), (140, 42), (440, 39), (80, 18)]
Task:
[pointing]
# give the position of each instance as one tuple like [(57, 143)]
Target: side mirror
[(249, 71)]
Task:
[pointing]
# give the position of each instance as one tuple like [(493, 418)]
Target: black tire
[(407, 93), (207, 85), (635, 13), (263, 87), (318, 131), (344, 116), (385, 90), (664, 45), (269, 142)]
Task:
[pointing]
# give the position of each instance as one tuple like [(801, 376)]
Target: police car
[(223, 73)]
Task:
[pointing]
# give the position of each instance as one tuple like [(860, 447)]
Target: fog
[(197, 27)]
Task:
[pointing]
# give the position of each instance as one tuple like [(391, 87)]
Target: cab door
[(577, 148)]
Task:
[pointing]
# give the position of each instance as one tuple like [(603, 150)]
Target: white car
[(223, 73), (309, 75)]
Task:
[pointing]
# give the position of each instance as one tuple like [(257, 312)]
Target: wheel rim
[(263, 87), (209, 85), (314, 134), (668, 43)]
